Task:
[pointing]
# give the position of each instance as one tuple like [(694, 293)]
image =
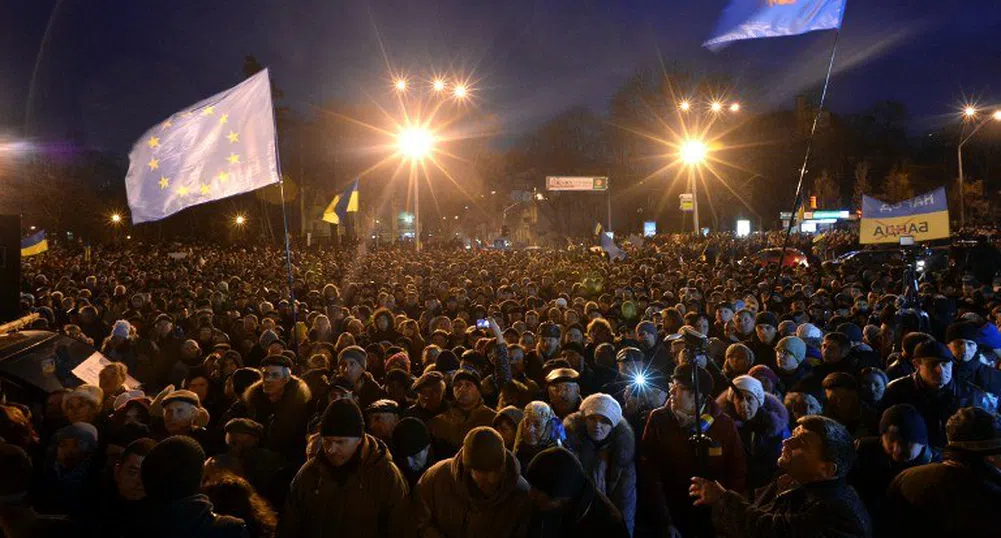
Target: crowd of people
[(455, 393)]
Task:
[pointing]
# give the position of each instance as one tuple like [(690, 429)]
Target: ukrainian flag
[(34, 244), (924, 218), (342, 204)]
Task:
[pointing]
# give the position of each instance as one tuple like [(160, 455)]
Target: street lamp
[(461, 91), (693, 153), (400, 85), (116, 218), (416, 143), (716, 107), (735, 107), (685, 106), (438, 85), (240, 220), (968, 113)]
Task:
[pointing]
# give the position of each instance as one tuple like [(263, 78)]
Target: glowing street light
[(415, 143), (685, 106), (717, 107), (970, 111), (400, 85), (240, 220), (693, 152), (438, 85), (735, 107), (997, 115), (116, 218), (461, 91)]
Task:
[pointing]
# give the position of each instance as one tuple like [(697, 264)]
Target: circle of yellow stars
[(223, 176)]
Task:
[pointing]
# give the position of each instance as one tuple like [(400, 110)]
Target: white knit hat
[(748, 384), (809, 330), (605, 406), (90, 393)]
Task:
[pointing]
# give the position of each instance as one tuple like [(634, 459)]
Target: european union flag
[(752, 19), (35, 243), (222, 146), (342, 204)]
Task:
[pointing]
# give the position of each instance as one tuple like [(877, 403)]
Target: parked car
[(926, 259), (770, 256)]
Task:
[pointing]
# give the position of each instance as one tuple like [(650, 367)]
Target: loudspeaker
[(10, 266)]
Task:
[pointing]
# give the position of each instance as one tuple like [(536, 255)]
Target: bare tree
[(827, 190), (861, 186), (898, 185)]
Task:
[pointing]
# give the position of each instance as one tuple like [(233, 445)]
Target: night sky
[(109, 69)]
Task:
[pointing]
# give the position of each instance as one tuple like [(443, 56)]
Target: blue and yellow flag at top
[(35, 243), (220, 147), (923, 217), (342, 204), (753, 19)]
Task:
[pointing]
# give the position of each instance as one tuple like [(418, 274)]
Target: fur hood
[(772, 417), (296, 396), (622, 440)]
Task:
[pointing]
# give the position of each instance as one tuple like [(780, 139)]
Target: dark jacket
[(959, 497), (800, 380), (449, 506), (450, 428), (872, 473), (784, 508), (611, 466), (935, 405), (761, 437), (590, 515), (659, 359), (370, 501), (977, 373), (284, 421), (667, 463), (192, 517), (369, 391)]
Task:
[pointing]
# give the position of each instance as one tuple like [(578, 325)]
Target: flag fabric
[(597, 228), (923, 217), (220, 147), (753, 19), (35, 243), (342, 204), (610, 248)]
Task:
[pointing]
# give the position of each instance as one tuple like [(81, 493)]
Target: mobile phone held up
[(482, 324)]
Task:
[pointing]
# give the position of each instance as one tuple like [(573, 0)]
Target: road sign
[(576, 183), (687, 202)]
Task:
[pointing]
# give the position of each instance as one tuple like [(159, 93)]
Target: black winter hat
[(964, 330), (549, 329), (557, 473), (342, 418), (15, 468), (483, 450), (245, 425), (910, 425), (841, 380), (244, 378), (766, 318), (852, 331), (277, 360), (410, 437), (446, 361), (173, 469), (683, 375), (933, 349), (975, 431), (467, 375)]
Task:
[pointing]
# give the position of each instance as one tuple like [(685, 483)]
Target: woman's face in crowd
[(199, 386), (575, 335), (78, 409), (874, 387), (746, 405), (532, 429), (598, 427)]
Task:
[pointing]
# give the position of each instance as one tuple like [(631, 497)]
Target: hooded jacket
[(450, 506), (448, 429), (611, 465), (372, 501), (192, 517), (761, 436), (284, 421)]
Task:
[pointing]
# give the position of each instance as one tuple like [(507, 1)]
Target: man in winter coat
[(282, 404), (351, 364), (172, 476), (902, 443), (762, 422), (667, 458), (351, 488), (430, 390), (656, 355), (961, 495), (478, 492), (450, 428), (933, 391), (606, 447), (962, 341), (793, 369), (811, 499), (567, 503)]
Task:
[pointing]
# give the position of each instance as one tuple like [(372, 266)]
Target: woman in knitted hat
[(762, 422), (83, 404), (606, 447), (539, 429)]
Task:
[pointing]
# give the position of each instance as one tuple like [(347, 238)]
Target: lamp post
[(969, 113), (415, 143), (693, 154)]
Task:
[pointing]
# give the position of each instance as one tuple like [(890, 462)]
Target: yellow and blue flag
[(923, 217), (342, 204), (220, 147), (35, 243), (753, 19)]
